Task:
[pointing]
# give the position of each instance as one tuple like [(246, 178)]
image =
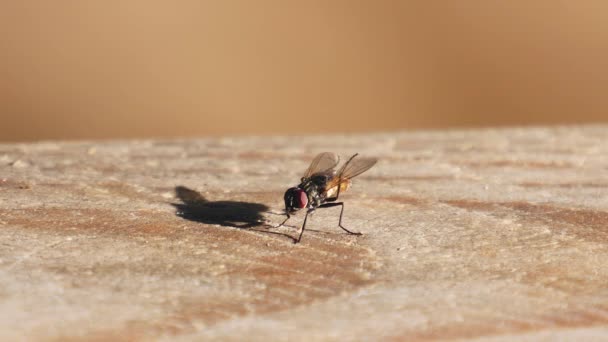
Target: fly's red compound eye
[(295, 198), (302, 199)]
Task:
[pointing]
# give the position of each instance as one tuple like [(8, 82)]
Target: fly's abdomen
[(329, 193)]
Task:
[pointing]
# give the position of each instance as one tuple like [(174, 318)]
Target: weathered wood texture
[(489, 234)]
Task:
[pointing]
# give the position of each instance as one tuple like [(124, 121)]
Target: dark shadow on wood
[(235, 214)]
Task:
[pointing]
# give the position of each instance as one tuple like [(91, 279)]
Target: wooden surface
[(480, 234)]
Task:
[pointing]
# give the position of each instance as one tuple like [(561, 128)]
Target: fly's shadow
[(195, 207)]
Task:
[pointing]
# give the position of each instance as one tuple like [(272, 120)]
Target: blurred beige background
[(116, 69)]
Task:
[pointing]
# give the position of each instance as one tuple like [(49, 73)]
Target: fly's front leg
[(329, 205), (282, 223), (303, 225)]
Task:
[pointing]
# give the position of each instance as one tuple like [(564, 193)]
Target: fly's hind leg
[(335, 204)]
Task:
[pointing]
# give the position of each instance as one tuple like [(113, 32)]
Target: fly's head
[(295, 199)]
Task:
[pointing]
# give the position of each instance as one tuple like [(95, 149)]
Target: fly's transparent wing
[(351, 169), (323, 162)]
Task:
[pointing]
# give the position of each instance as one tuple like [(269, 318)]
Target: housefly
[(322, 184)]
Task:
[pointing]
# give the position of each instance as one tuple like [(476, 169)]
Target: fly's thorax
[(315, 192), (321, 179)]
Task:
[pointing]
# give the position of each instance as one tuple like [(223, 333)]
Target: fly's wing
[(352, 168), (323, 162)]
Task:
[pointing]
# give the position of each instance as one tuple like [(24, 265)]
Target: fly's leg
[(332, 199), (329, 205), (282, 223), (303, 226), (335, 198), (288, 217)]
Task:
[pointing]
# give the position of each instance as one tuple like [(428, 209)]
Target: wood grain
[(469, 234)]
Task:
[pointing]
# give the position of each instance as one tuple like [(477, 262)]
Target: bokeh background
[(129, 68)]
